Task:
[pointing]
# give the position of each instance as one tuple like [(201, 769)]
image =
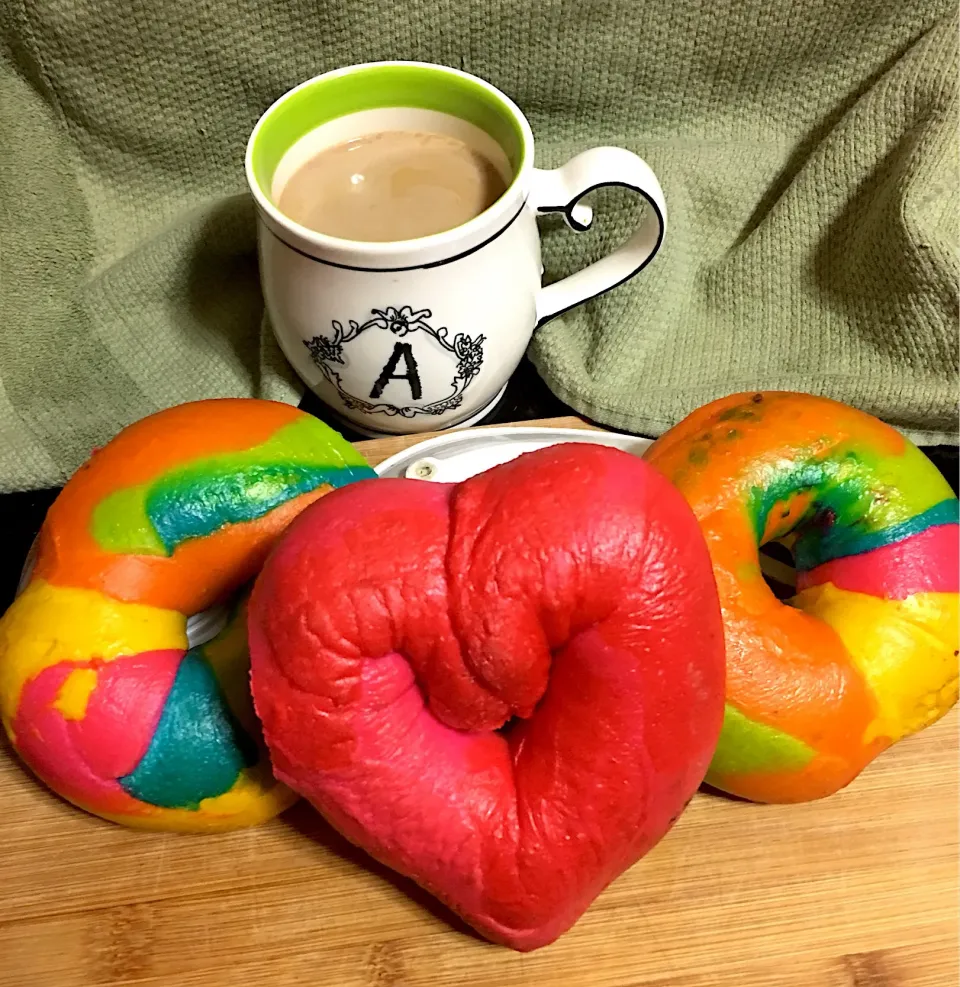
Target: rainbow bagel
[(866, 652), (99, 693)]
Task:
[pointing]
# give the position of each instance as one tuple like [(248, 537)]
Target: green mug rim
[(384, 85)]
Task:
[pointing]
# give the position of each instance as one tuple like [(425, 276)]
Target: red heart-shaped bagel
[(400, 624)]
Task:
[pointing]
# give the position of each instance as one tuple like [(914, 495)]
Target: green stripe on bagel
[(860, 500), (837, 542), (197, 750), (200, 498), (746, 747)]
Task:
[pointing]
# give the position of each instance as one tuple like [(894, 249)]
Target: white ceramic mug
[(416, 335)]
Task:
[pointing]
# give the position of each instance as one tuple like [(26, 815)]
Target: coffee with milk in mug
[(394, 185)]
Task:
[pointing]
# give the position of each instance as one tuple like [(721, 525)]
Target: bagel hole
[(203, 627), (509, 727), (516, 721), (779, 569)]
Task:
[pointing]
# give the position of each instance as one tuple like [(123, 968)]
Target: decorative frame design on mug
[(467, 351), (445, 360)]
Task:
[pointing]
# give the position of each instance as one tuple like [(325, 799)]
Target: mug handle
[(561, 190)]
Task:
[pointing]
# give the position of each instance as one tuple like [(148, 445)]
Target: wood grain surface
[(859, 890)]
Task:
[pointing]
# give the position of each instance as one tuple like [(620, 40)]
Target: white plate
[(460, 455)]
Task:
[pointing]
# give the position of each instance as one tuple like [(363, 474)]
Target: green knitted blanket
[(807, 149)]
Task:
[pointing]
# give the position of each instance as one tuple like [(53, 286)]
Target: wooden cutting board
[(859, 890)]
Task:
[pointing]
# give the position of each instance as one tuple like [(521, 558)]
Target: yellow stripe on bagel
[(905, 649), (48, 624), (254, 798)]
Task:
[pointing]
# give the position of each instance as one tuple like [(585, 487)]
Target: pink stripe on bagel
[(81, 759), (927, 562), (567, 595)]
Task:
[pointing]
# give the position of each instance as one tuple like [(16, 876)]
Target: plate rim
[(425, 448)]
